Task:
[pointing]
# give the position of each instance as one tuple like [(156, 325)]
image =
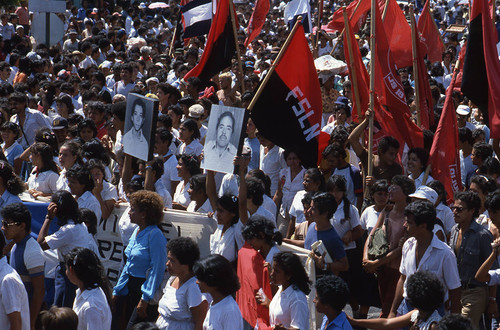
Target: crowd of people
[(393, 241)]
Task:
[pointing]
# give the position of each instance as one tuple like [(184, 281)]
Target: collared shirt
[(137, 145), (342, 225), (289, 308), (121, 88), (13, 296), (290, 188), (68, 237), (13, 152), (161, 190), (205, 208), (7, 31), (88, 61), (437, 259), (169, 171), (227, 244), (45, 182), (225, 315), (88, 201), (474, 250), (214, 158), (7, 198), (146, 257), (418, 181), (194, 148), (339, 323), (271, 164), (33, 121), (92, 309)]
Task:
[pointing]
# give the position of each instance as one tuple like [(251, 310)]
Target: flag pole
[(354, 79), (415, 64), (275, 63), (240, 65), (342, 33), (318, 27), (173, 41), (385, 10), (372, 90)]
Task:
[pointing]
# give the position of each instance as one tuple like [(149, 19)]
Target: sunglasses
[(8, 224)]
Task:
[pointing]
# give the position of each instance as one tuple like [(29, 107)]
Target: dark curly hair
[(89, 270), (19, 213), (230, 203), (454, 322), (260, 227), (150, 203), (255, 191), (185, 250), (332, 291), (425, 291), (423, 212), (422, 155), (216, 271), (485, 183), (290, 263), (191, 163), (82, 175), (192, 126), (471, 199), (11, 181), (406, 184), (316, 176)]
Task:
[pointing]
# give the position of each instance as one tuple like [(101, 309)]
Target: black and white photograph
[(223, 136), (140, 118)]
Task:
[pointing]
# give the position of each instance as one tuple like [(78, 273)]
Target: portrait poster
[(224, 138), (140, 126)]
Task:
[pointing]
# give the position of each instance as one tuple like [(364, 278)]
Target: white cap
[(463, 110), (196, 111), (427, 193)]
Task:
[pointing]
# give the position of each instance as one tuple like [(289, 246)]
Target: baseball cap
[(196, 111), (59, 123), (427, 193)]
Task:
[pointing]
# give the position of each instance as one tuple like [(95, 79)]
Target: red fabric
[(356, 15), (444, 155), (389, 126), (425, 94), (492, 64), (391, 92), (398, 33), (253, 276), (430, 37), (257, 20)]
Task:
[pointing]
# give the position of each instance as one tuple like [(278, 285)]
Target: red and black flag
[(220, 47), (288, 111), (481, 73), (257, 20)]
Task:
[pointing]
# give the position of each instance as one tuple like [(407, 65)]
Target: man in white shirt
[(7, 29), (14, 308), (423, 251)]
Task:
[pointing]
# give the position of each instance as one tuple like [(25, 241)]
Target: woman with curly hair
[(182, 305), (288, 308), (215, 275), (146, 255), (93, 296), (10, 185)]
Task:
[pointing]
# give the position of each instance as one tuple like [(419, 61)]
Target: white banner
[(175, 223)]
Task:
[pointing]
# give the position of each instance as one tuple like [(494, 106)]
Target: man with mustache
[(222, 151)]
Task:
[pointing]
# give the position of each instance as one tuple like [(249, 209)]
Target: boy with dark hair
[(332, 294)]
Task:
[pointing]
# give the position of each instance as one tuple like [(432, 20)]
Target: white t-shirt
[(205, 208), (445, 214), (88, 201), (45, 182), (289, 308), (67, 238), (229, 243), (290, 188), (181, 195), (163, 192), (108, 192), (265, 213), (62, 181), (225, 315), (271, 164), (269, 205), (13, 296), (174, 306), (342, 226), (194, 148), (92, 309), (297, 208), (369, 218), (126, 227), (170, 173)]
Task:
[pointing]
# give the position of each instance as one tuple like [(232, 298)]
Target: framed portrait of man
[(224, 136), (140, 123)]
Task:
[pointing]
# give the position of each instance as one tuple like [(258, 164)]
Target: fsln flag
[(296, 8), (220, 47), (398, 34), (196, 18), (430, 36), (391, 91), (444, 156), (257, 20), (481, 73), (288, 111)]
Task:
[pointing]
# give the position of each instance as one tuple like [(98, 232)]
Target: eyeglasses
[(8, 224), (458, 209)]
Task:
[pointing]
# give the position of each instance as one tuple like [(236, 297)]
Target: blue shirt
[(254, 146), (146, 257), (7, 198), (330, 238), (340, 322)]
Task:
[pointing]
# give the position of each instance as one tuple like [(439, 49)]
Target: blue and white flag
[(196, 18), (297, 8)]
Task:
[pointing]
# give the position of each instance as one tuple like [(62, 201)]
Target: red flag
[(220, 47), (444, 155), (356, 11), (425, 94), (355, 64), (257, 20), (431, 38), (398, 33), (293, 94), (481, 74), (391, 92)]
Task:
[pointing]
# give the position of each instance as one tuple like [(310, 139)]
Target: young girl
[(87, 130), (10, 147), (69, 155), (215, 275), (43, 179), (93, 296), (81, 184), (182, 305), (10, 185), (187, 166), (189, 134), (346, 222), (198, 194), (259, 233), (103, 191)]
